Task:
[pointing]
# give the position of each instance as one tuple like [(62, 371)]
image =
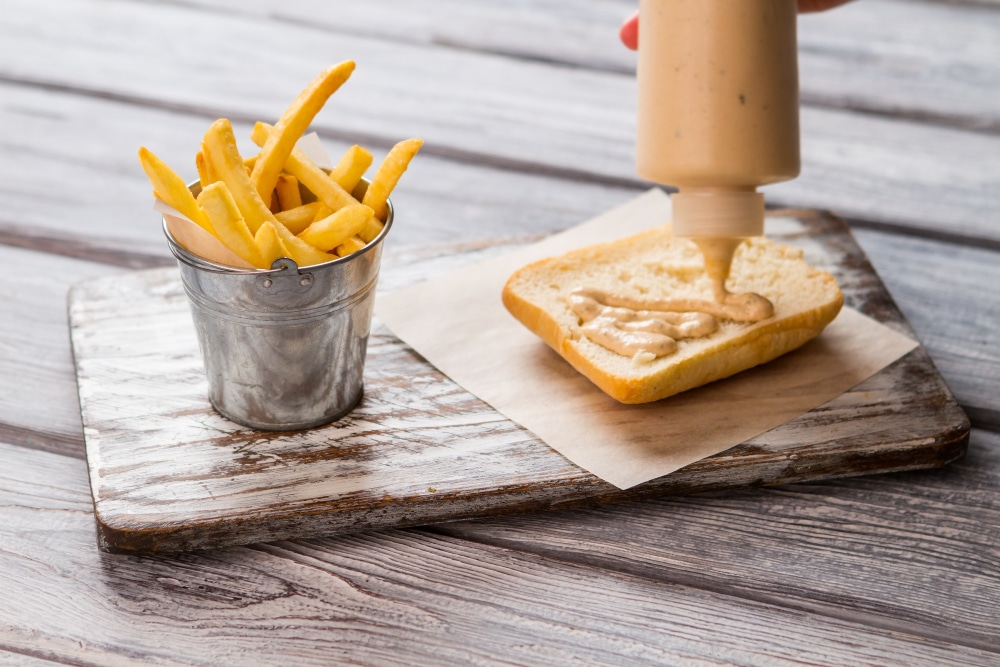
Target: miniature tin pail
[(283, 348)]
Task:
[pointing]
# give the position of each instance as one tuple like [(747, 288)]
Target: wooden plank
[(103, 208), (39, 406), (875, 56), (169, 474), (915, 552), (396, 598), (948, 293), (23, 660), (527, 116)]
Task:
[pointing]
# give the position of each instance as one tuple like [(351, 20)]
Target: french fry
[(254, 205), (323, 211), (287, 188), (269, 245), (219, 146), (335, 229), (388, 174), (303, 253), (298, 218), (205, 176), (293, 123), (301, 167), (371, 229), (172, 189), (220, 149), (349, 246), (352, 167), (221, 209)]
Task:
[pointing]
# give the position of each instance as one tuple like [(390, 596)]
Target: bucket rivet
[(268, 282), (305, 280)]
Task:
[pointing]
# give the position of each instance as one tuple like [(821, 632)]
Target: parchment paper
[(459, 324)]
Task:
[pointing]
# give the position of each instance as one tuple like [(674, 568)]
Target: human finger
[(629, 32)]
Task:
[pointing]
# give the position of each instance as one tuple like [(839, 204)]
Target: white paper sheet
[(459, 324)]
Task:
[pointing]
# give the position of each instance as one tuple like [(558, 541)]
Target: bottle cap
[(715, 213)]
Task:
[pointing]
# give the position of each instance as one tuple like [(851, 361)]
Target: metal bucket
[(283, 348)]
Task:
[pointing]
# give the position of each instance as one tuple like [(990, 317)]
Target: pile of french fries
[(255, 206)]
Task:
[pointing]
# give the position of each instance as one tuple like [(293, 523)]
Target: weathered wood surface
[(949, 294), (37, 381), (914, 552), (394, 598), (170, 474), (104, 202), (892, 89), (860, 58), (575, 122)]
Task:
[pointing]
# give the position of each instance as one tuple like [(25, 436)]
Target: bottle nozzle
[(718, 214)]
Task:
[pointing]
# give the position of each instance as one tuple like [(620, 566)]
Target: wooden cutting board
[(168, 473)]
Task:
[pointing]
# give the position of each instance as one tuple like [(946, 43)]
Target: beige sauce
[(629, 325), (718, 254)]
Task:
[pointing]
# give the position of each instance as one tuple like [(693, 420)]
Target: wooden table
[(528, 113)]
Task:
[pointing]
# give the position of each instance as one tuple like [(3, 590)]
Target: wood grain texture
[(914, 552), (541, 118), (876, 56), (38, 398), (103, 210), (949, 294), (168, 473), (396, 598), (23, 660)]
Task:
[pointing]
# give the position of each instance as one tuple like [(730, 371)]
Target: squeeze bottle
[(718, 113)]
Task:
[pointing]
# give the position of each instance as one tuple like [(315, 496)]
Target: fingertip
[(629, 32)]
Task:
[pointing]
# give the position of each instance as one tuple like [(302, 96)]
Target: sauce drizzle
[(630, 325)]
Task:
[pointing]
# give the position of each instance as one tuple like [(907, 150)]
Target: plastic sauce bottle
[(718, 114)]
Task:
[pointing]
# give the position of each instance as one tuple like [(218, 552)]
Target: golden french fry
[(219, 146), (288, 192), (323, 211), (303, 253), (352, 167), (205, 175), (293, 123), (335, 229), (220, 149), (269, 245), (301, 167), (229, 224), (172, 189), (388, 174), (300, 217), (349, 246), (371, 229)]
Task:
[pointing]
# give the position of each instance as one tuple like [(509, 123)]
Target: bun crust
[(654, 264)]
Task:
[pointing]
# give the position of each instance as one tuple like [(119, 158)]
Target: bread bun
[(656, 265)]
